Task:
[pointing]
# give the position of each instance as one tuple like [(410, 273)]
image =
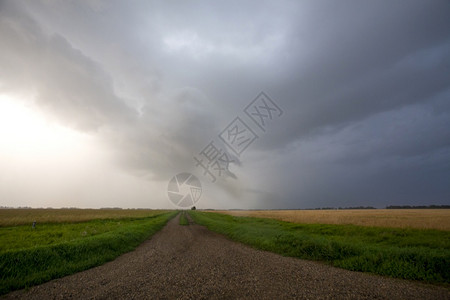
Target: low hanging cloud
[(365, 88)]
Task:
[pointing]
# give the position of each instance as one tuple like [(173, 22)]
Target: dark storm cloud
[(64, 81), (365, 59), (365, 86), (151, 140)]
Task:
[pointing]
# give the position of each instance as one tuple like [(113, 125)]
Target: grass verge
[(183, 219), (22, 266), (415, 254)]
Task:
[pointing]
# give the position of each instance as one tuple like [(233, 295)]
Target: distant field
[(397, 218), (14, 217)]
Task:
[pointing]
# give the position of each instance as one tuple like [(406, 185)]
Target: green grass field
[(416, 254), (51, 250)]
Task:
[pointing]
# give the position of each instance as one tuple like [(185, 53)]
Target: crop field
[(14, 217), (407, 253), (396, 218), (68, 241)]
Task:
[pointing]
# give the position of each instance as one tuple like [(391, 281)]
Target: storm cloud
[(364, 87)]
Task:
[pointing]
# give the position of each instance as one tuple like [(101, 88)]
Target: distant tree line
[(350, 207), (418, 207), (387, 207)]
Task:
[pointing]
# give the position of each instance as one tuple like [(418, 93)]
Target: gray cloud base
[(365, 88)]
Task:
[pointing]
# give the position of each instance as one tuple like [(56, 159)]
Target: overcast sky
[(103, 102)]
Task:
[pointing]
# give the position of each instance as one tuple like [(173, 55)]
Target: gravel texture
[(191, 262)]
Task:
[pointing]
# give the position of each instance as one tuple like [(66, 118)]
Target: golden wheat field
[(13, 217), (402, 218)]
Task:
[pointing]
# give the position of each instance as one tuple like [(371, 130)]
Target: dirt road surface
[(191, 262)]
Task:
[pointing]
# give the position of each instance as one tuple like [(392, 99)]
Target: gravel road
[(191, 262)]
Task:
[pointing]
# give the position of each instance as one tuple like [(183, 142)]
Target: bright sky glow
[(27, 134)]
